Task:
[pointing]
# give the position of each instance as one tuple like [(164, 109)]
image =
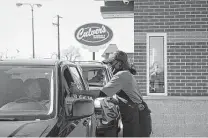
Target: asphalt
[(180, 116)]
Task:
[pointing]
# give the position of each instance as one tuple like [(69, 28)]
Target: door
[(83, 128), (156, 64), (93, 124), (66, 127)]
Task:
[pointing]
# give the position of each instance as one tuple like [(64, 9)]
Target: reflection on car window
[(77, 78), (95, 77), (24, 89), (69, 77), (156, 78)]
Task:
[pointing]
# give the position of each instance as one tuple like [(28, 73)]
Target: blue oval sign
[(93, 34)]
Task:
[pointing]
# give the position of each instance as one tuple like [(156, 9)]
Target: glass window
[(77, 78), (156, 64), (95, 76), (68, 78), (25, 90), (68, 96)]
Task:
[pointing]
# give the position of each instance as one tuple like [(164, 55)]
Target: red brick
[(185, 5), (185, 81), (196, 74), (186, 94), (172, 93), (191, 84), (196, 88), (201, 2), (191, 64), (201, 91), (190, 70), (180, 84), (175, 88), (186, 74), (196, 81), (180, 70), (201, 77)]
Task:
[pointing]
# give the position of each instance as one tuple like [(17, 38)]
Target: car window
[(25, 89), (77, 78), (67, 80), (86, 85), (68, 96), (95, 76)]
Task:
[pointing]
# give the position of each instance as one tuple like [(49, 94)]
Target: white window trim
[(165, 63)]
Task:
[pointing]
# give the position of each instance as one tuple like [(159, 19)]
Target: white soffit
[(117, 15)]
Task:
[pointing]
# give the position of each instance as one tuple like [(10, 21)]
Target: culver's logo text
[(93, 34)]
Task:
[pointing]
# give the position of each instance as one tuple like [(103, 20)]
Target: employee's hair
[(132, 69), (127, 66)]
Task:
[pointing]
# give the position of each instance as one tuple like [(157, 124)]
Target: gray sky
[(16, 30)]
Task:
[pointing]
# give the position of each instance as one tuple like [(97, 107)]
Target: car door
[(93, 124), (66, 127), (84, 127)]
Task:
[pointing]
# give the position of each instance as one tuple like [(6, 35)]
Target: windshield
[(25, 90), (95, 76)]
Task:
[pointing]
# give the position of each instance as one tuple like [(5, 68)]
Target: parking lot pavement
[(179, 116)]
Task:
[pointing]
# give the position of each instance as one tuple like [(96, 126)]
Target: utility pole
[(32, 9), (57, 24), (33, 42)]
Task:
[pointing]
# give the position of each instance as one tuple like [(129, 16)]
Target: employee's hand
[(93, 93), (112, 100)]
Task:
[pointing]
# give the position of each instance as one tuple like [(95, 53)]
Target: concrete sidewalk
[(179, 116)]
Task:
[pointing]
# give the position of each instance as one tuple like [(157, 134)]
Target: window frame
[(80, 70), (105, 71), (65, 67), (63, 96), (164, 35), (82, 81)]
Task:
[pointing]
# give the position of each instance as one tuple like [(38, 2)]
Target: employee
[(124, 85)]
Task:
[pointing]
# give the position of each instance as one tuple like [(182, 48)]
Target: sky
[(16, 27)]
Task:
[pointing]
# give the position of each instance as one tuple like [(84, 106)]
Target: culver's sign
[(93, 34)]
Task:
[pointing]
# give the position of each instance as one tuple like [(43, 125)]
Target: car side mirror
[(81, 108)]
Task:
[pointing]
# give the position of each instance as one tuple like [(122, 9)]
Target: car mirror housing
[(82, 108)]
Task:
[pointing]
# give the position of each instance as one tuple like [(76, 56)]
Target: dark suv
[(107, 113), (35, 100)]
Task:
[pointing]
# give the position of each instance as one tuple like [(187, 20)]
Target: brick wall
[(186, 25)]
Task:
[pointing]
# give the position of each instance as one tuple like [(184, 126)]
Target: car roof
[(94, 64), (33, 62)]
